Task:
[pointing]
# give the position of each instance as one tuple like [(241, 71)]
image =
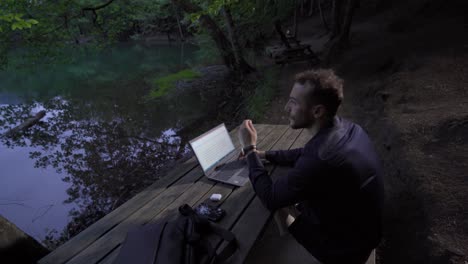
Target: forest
[(120, 87)]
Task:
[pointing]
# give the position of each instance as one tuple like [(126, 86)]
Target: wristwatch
[(247, 149)]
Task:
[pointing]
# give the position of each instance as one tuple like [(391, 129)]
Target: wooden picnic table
[(185, 184)]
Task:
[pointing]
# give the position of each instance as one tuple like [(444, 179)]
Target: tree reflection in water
[(106, 160)]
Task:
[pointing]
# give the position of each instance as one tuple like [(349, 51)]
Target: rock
[(17, 246)]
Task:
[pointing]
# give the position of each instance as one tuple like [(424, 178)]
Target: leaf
[(7, 17), (32, 21), (18, 17)]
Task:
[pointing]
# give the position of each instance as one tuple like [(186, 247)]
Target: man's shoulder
[(338, 138), (346, 123)]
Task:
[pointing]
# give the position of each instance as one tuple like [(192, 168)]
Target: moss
[(264, 92), (162, 85)]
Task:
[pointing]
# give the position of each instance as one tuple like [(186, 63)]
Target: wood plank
[(113, 238), (190, 197), (303, 138), (108, 241), (241, 197), (251, 223), (109, 259), (226, 190), (201, 190), (263, 135), (170, 212), (219, 187), (371, 259), (92, 233), (288, 139)]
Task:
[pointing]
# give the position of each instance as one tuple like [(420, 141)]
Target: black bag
[(181, 241)]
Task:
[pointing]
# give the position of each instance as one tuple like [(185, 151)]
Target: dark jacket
[(336, 180)]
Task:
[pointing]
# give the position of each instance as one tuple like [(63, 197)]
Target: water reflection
[(102, 137), (106, 161)]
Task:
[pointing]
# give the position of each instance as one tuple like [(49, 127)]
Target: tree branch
[(97, 7), (26, 124), (150, 140)]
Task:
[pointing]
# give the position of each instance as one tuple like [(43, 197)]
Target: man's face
[(300, 113)]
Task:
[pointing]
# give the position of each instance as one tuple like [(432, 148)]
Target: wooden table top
[(245, 216)]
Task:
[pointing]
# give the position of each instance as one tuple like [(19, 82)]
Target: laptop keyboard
[(228, 170), (234, 165)]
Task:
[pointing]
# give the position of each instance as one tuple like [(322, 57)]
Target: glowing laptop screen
[(212, 146)]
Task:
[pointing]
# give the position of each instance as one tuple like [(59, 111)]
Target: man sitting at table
[(335, 183)]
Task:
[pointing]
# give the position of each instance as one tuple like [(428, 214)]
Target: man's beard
[(296, 123)]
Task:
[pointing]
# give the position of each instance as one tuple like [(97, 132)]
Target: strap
[(366, 182), (210, 251), (229, 249), (223, 233), (207, 226), (249, 148), (226, 253), (186, 210)]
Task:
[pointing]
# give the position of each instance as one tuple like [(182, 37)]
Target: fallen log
[(26, 124)]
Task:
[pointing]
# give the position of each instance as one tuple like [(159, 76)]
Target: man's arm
[(279, 157), (294, 187), (283, 157)]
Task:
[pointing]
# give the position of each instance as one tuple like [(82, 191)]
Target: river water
[(102, 138)]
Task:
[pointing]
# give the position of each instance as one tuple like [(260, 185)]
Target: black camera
[(211, 212)]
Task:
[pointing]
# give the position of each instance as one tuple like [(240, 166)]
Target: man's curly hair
[(327, 88)]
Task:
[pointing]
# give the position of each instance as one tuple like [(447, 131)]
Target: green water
[(109, 82), (83, 71), (102, 139)]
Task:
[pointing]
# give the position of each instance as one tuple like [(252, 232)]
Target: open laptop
[(215, 153)]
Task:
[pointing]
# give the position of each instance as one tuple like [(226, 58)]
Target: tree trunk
[(178, 23), (223, 44), (338, 42), (302, 7), (282, 36), (347, 21), (232, 37), (168, 33), (337, 17), (182, 55), (26, 124), (295, 18), (312, 7), (325, 25)]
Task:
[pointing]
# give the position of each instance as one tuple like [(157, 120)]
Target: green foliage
[(258, 101), (162, 85), (45, 27), (51, 34), (17, 21), (251, 18), (207, 53), (254, 21)]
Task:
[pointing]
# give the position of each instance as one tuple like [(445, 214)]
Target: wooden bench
[(246, 216), (291, 49)]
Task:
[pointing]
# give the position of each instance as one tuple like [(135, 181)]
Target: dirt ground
[(406, 83)]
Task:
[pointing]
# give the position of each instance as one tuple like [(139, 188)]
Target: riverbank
[(405, 76), (17, 246), (102, 139)]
